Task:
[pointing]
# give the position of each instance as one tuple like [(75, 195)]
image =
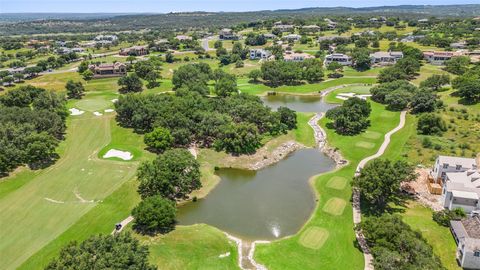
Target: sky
[(163, 6)]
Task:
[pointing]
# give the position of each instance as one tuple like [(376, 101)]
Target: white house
[(467, 236), (445, 164), (340, 58), (293, 37), (460, 181), (260, 54), (385, 58)]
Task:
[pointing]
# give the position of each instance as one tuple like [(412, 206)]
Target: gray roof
[(467, 163), (468, 232)]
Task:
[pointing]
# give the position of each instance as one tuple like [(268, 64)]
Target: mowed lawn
[(327, 241), (39, 206)]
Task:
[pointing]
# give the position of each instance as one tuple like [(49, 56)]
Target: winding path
[(357, 214)]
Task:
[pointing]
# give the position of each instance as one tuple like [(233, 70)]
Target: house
[(270, 36), (284, 27), (227, 34), (446, 164), (327, 38), (65, 50), (439, 58), (340, 58), (311, 28), (412, 38), (385, 58), (134, 50), (458, 45), (466, 233), (423, 21), (260, 54), (460, 181), (293, 37), (108, 70), (331, 25), (183, 37), (105, 39), (296, 57)]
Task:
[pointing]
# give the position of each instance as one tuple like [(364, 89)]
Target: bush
[(431, 124), (159, 139), (443, 217), (154, 215)]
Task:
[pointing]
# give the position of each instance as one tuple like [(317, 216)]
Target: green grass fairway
[(339, 250), (337, 182), (37, 207), (363, 144), (192, 247), (313, 237), (371, 135), (334, 206)]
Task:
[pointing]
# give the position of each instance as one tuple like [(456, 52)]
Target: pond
[(299, 103), (270, 203)]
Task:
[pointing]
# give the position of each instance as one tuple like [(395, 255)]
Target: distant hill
[(62, 23)]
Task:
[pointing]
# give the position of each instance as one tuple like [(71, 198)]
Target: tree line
[(32, 123)]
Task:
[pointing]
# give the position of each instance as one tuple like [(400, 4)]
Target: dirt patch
[(420, 190), (334, 206), (313, 237), (337, 182)]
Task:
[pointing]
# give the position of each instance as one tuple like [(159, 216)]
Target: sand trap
[(342, 98), (313, 237), (109, 110), (97, 114), (337, 182), (114, 100), (118, 154), (224, 255), (334, 206), (347, 94), (75, 111), (367, 145)]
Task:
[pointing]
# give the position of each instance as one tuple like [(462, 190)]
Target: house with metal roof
[(466, 233)]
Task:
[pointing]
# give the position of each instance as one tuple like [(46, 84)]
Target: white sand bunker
[(114, 100), (118, 154), (97, 114), (224, 255), (345, 96), (75, 111), (109, 110)]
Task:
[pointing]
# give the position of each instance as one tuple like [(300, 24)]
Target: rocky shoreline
[(278, 154), (321, 141)]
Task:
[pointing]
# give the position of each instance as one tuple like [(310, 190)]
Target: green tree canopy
[(154, 215)]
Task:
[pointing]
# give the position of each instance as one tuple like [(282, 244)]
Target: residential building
[(270, 36), (340, 58), (65, 50), (385, 58), (458, 45), (108, 70), (296, 57), (328, 38), (331, 25), (446, 164), (134, 50), (260, 54), (292, 37), (439, 58), (311, 28), (412, 38), (183, 37), (284, 27), (227, 34), (466, 233), (460, 181), (105, 39)]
